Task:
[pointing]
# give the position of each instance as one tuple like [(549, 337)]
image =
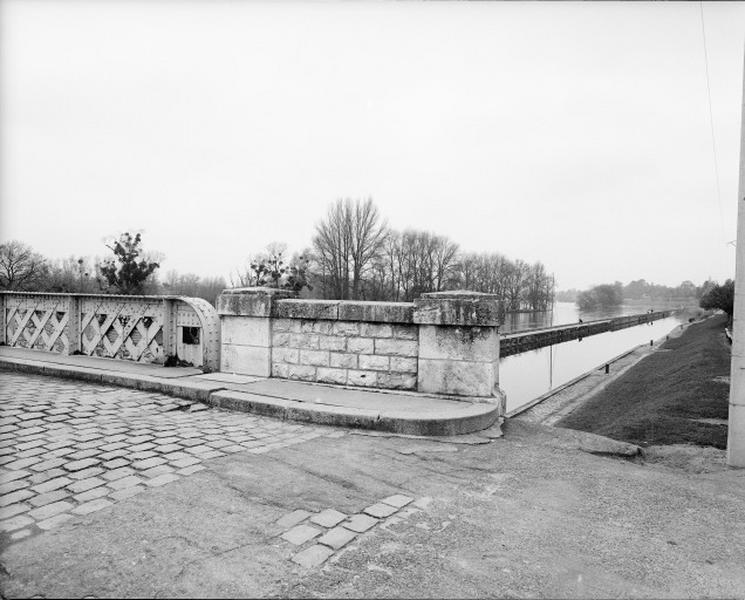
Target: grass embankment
[(661, 399)]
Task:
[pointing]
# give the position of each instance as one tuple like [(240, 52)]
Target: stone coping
[(457, 308), (344, 310)]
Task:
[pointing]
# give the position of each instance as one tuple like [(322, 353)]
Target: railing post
[(246, 329), (74, 343), (169, 329), (458, 344)]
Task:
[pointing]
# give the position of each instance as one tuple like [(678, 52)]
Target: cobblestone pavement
[(69, 448)]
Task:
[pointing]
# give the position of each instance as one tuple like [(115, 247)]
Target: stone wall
[(442, 343), (346, 352)]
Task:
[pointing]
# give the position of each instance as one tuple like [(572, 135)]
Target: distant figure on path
[(581, 321)]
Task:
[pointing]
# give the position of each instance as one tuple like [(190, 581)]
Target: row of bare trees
[(356, 255)]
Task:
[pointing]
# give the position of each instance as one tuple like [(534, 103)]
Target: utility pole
[(736, 429)]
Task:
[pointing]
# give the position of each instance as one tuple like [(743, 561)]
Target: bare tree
[(20, 267), (345, 243)]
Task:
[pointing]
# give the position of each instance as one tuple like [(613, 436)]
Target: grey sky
[(572, 133)]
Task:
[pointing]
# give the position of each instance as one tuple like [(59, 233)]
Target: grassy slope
[(654, 402)]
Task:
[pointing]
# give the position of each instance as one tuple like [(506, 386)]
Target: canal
[(526, 376)]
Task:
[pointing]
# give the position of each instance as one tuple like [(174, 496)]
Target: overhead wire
[(711, 125)]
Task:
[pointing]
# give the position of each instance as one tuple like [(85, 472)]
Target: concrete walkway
[(400, 412), (275, 509)]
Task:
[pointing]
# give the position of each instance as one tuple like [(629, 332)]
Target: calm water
[(526, 376)]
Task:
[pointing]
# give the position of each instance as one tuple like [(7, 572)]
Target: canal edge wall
[(552, 406)]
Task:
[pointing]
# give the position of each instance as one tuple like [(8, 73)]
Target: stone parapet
[(443, 343)]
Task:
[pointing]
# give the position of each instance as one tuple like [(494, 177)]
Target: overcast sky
[(577, 134)]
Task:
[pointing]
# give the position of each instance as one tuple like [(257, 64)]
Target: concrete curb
[(473, 417)]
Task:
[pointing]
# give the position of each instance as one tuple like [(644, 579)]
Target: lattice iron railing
[(140, 328)]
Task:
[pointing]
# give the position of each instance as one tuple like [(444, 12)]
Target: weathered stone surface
[(360, 523), (332, 342), (343, 361), (285, 325), (328, 518), (376, 312), (245, 360), (316, 358), (306, 309), (361, 345), (295, 517), (396, 347), (374, 362), (457, 378), (381, 330), (245, 331), (349, 328), (398, 500), (251, 302), (457, 308), (336, 376), (397, 381), (401, 364), (308, 341), (300, 534), (362, 378), (286, 355), (473, 344), (337, 538), (380, 510), (313, 556), (301, 372)]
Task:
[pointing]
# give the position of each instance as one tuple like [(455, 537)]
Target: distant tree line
[(609, 295), (355, 255), (128, 270)]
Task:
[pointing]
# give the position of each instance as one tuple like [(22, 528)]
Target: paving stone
[(115, 464), (397, 500), (313, 556), (23, 463), (186, 462), (32, 453), (155, 471), (166, 448), (93, 506), (360, 523), (113, 446), (79, 465), (148, 463), (113, 454), (118, 473), (20, 534), (300, 534), (47, 465), (13, 509), (15, 523), (190, 470), (97, 492), (328, 518), (51, 485), (49, 497), (144, 455), (337, 537), (125, 482), (85, 473), (295, 517), (380, 510), (53, 522), (208, 455), (12, 486), (85, 484), (163, 479), (50, 510)]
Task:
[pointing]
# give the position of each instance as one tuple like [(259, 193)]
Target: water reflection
[(567, 312), (526, 376)]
